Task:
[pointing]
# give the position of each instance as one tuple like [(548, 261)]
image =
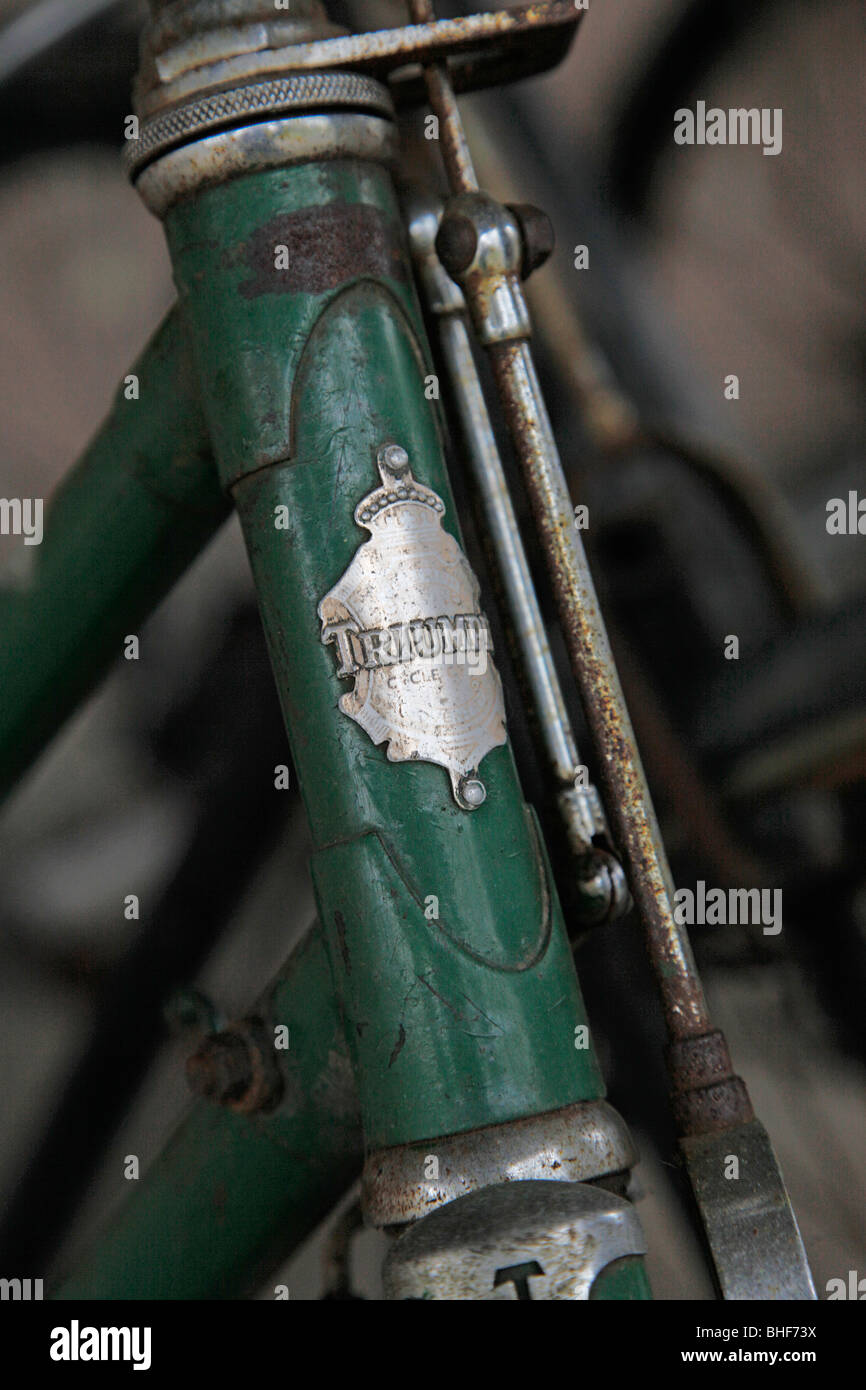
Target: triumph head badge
[(406, 625)]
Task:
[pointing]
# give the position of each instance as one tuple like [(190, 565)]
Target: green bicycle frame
[(120, 530), (292, 377)]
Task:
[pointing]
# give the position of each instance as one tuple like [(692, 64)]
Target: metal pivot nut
[(536, 234), (480, 244), (602, 887)]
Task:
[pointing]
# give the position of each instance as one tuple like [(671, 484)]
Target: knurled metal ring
[(302, 92)]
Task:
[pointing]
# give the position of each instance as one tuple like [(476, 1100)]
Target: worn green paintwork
[(231, 1195), (445, 1026), (123, 525), (251, 321), (454, 1022)]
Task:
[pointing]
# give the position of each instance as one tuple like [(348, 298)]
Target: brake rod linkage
[(602, 891), (752, 1231)]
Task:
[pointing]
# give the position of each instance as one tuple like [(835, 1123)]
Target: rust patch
[(712, 1109), (708, 1097), (327, 246)]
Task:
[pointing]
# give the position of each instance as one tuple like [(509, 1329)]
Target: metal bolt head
[(456, 243), (220, 1070), (237, 1068)]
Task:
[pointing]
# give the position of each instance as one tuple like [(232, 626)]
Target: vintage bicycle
[(430, 1030)]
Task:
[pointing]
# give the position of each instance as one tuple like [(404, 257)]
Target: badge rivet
[(471, 792), (394, 458)]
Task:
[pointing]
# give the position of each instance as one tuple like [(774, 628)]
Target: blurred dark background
[(707, 519)]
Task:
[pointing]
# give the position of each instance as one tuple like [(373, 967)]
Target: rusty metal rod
[(455, 147), (629, 804)]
